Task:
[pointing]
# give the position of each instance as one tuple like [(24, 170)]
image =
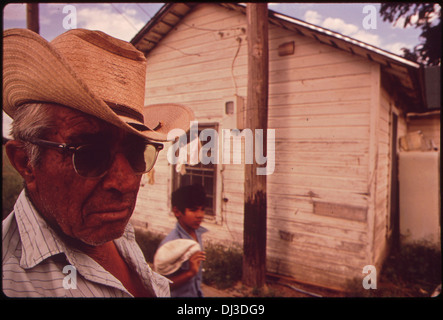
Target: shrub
[(223, 265), (412, 271), (148, 243), (416, 265)]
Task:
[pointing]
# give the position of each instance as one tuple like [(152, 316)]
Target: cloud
[(351, 30), (396, 47), (401, 22), (121, 24), (368, 37), (340, 26), (312, 17)]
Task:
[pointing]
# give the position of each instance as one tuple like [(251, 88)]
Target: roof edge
[(336, 35), (348, 39), (162, 11), (413, 71)]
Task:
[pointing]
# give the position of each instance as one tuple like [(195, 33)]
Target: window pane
[(204, 175), (208, 184), (185, 180)]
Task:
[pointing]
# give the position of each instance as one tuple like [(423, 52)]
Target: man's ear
[(19, 160)]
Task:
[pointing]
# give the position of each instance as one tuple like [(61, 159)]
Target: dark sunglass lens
[(91, 160)]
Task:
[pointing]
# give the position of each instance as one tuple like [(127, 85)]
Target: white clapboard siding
[(328, 197)]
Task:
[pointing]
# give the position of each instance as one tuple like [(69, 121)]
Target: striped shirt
[(36, 262)]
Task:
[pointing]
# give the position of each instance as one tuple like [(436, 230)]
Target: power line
[(135, 28), (150, 17)]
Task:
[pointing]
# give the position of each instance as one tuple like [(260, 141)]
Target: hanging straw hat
[(89, 71), (171, 255)]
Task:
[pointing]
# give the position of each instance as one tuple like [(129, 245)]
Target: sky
[(124, 20)]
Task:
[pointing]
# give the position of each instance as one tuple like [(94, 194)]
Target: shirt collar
[(184, 234), (39, 241)]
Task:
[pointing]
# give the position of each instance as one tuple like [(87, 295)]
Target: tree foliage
[(427, 17)]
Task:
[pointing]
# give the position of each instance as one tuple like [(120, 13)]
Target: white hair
[(31, 120)]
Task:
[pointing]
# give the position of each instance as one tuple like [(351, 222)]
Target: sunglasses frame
[(72, 148)]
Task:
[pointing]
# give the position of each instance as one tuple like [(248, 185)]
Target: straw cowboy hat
[(170, 256), (89, 71)]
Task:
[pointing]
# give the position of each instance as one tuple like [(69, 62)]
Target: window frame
[(213, 216)]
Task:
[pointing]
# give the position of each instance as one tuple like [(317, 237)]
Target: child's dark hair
[(190, 197)]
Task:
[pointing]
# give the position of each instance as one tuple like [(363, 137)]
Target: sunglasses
[(94, 160)]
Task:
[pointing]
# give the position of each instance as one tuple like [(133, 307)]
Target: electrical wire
[(150, 17), (124, 17), (239, 40)]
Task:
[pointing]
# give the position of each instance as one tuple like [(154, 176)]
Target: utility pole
[(254, 227), (32, 17)]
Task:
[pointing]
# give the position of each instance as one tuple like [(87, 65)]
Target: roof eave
[(160, 13), (409, 74), (160, 25)]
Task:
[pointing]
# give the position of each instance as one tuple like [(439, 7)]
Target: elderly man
[(82, 140)]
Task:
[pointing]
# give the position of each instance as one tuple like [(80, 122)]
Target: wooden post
[(32, 17), (254, 228)]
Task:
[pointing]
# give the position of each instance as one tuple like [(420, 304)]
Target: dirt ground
[(287, 289), (272, 289)]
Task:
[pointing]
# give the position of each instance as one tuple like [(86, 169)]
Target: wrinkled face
[(93, 210)]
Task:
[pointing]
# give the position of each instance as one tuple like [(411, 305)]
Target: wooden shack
[(337, 106)]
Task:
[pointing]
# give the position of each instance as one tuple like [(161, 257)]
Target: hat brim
[(33, 71)]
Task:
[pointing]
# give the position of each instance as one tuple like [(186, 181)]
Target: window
[(204, 175)]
